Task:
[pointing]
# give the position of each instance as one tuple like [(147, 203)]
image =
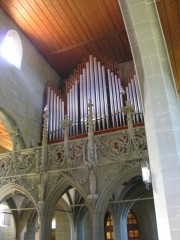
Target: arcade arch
[(67, 205), (127, 192), (23, 211)]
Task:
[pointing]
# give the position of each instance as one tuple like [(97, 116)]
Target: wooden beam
[(88, 42)]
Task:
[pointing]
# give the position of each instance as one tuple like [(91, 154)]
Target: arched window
[(108, 225), (11, 48), (132, 226)]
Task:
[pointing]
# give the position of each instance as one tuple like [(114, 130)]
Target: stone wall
[(7, 227), (8, 232), (63, 226), (21, 91)]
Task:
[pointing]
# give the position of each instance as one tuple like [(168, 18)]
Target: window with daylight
[(132, 227), (109, 234), (4, 216), (11, 48)]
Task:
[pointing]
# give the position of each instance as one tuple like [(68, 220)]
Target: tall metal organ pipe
[(100, 81)]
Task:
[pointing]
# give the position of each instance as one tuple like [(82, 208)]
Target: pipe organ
[(55, 103), (102, 82)]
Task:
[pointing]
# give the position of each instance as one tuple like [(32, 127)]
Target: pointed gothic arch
[(13, 193), (57, 193)]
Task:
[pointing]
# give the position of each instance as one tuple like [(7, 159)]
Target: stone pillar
[(87, 234), (116, 228), (123, 229), (41, 205), (98, 226), (161, 110), (120, 224)]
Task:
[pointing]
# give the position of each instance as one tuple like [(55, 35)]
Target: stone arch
[(136, 189), (102, 202), (55, 195), (108, 191), (11, 126), (10, 190)]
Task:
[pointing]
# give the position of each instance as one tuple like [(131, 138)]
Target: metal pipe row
[(133, 96), (93, 81), (55, 106)]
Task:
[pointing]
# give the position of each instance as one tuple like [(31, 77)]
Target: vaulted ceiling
[(67, 31)]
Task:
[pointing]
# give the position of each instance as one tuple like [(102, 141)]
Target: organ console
[(101, 81)]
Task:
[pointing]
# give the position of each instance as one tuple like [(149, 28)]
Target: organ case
[(101, 81)]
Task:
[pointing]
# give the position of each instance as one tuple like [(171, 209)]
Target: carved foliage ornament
[(5, 164), (23, 161), (76, 153), (113, 148), (117, 147), (56, 156)]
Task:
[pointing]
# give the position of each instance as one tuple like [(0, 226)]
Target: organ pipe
[(111, 97), (105, 96), (100, 81), (101, 96)]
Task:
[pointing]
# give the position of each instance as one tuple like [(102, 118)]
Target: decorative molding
[(5, 164), (11, 180), (40, 169)]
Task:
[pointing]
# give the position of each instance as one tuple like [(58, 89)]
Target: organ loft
[(102, 82), (89, 120), (92, 135)]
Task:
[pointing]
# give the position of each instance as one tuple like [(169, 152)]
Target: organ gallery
[(92, 135), (89, 120), (101, 82)]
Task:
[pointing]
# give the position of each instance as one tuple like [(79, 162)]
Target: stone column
[(98, 227), (116, 228), (161, 110), (41, 205)]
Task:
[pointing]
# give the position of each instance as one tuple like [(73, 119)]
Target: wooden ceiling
[(67, 31), (5, 141), (169, 12)]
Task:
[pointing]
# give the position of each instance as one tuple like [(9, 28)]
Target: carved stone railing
[(40, 169), (121, 148)]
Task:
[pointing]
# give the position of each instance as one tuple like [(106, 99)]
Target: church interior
[(89, 119)]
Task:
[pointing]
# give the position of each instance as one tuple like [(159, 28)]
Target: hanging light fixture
[(146, 173)]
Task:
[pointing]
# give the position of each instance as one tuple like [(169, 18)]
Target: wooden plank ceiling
[(5, 141), (169, 12), (66, 31)]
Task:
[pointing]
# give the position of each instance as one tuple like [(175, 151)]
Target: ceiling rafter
[(94, 40)]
